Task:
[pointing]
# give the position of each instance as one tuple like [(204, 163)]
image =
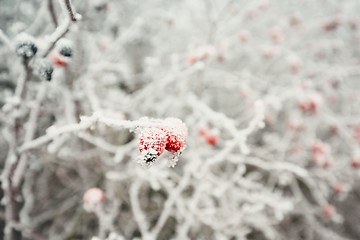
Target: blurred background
[(265, 96)]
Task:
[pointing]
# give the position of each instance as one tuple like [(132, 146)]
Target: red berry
[(355, 163), (152, 138), (333, 129), (277, 34), (176, 132), (309, 105), (191, 59), (319, 148), (332, 24), (353, 24), (326, 163), (339, 187), (357, 132), (269, 52), (210, 137), (244, 36), (58, 59), (93, 198), (294, 20), (220, 57), (328, 211)]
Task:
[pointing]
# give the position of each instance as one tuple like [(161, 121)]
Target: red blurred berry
[(355, 163), (58, 60), (277, 34), (191, 59), (332, 24), (328, 211), (244, 36), (270, 51), (357, 132), (353, 24), (220, 57), (210, 137), (294, 20), (319, 148), (92, 198), (326, 163), (333, 129), (339, 187), (309, 105)]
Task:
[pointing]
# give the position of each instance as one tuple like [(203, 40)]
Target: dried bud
[(45, 69), (65, 47), (25, 46)]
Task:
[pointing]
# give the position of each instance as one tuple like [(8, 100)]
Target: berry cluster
[(63, 53)]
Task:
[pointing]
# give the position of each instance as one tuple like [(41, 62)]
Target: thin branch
[(60, 32), (74, 16), (169, 204), (52, 12), (138, 213), (29, 134)]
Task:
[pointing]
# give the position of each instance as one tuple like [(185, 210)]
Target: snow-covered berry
[(25, 46), (153, 142), (65, 47), (93, 198), (45, 69), (328, 211), (176, 132), (310, 104), (66, 51)]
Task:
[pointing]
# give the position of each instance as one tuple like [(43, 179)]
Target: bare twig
[(60, 32), (73, 15), (52, 12)]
